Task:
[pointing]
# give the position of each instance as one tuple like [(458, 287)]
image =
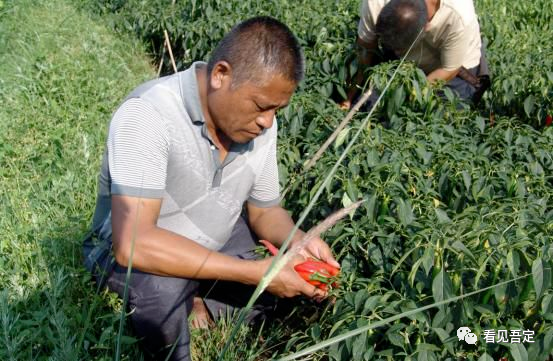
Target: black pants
[(160, 305)]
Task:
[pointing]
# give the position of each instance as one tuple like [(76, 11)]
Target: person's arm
[(365, 56), (158, 251), (163, 252), (442, 74), (275, 224)]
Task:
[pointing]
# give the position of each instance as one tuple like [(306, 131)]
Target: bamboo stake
[(168, 44)]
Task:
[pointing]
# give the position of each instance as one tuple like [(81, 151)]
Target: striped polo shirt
[(159, 147)]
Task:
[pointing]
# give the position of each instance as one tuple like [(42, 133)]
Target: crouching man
[(184, 155)]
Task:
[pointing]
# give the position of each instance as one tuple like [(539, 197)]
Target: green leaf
[(346, 202), (359, 301), (128, 340), (371, 304), (399, 96), (508, 135), (427, 347), (316, 332), (485, 357), (441, 319), (467, 179), (513, 262), (395, 337), (405, 212), (518, 351), (537, 276), (529, 105), (428, 259), (460, 246), (548, 338), (370, 206), (481, 124), (443, 218), (342, 91), (326, 66), (426, 356), (547, 304), (359, 346), (442, 289), (341, 137)]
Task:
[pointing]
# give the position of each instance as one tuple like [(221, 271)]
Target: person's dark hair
[(260, 46), (400, 22)]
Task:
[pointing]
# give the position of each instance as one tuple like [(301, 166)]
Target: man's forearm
[(274, 225), (442, 74), (162, 252)]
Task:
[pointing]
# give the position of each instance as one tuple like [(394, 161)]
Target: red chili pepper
[(548, 120), (270, 247), (320, 266), (317, 273)]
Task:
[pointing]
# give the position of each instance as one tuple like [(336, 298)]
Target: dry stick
[(321, 228), (341, 126), (333, 136), (168, 44)]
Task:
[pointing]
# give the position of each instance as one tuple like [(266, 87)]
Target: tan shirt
[(451, 40)]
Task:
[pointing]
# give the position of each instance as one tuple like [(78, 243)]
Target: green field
[(457, 200)]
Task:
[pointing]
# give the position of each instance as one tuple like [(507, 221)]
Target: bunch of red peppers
[(319, 274)]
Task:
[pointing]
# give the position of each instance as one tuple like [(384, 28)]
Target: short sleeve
[(266, 189), (367, 22), (138, 148), (455, 47)]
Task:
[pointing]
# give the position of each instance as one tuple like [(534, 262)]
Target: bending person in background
[(184, 155), (449, 48)]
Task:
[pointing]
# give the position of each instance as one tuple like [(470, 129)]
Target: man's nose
[(266, 118)]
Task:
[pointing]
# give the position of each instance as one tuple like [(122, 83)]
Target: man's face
[(243, 112)]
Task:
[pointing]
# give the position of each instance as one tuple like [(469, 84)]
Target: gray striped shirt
[(158, 147)]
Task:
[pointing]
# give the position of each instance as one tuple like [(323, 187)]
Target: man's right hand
[(288, 283), (345, 104)]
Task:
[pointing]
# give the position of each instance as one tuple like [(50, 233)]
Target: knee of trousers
[(159, 306)]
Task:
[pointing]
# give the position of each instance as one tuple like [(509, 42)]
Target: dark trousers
[(159, 306), (470, 84)]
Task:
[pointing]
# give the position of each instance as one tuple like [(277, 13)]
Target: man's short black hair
[(257, 47), (400, 22)]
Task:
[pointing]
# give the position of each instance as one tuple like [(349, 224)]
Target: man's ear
[(221, 75)]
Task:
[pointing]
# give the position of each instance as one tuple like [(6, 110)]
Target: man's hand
[(345, 104), (318, 249), (287, 283)]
